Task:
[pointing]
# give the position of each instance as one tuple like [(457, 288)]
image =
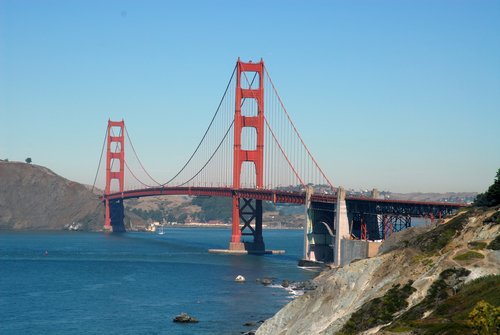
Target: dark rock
[(285, 283), (250, 324), (310, 264), (307, 285), (266, 281), (185, 318), (251, 332)]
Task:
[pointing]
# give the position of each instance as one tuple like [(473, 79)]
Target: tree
[(28, 160), (492, 196), (484, 319), (182, 218)]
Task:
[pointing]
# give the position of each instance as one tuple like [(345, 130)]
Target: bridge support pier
[(319, 236), (249, 211), (308, 227), (115, 214), (341, 226)]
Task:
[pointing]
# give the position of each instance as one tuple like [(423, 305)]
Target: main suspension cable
[(100, 159), (206, 132), (276, 140), (296, 131), (212, 156), (136, 156), (220, 143)]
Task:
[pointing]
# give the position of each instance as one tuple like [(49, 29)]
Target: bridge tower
[(115, 164), (248, 210)]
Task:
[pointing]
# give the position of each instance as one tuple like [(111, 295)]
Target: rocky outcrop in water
[(185, 318)]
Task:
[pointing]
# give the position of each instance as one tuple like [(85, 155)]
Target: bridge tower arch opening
[(246, 210), (115, 175)]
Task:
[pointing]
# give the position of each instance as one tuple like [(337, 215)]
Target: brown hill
[(34, 197)]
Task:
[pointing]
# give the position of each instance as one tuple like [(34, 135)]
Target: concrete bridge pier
[(319, 232), (341, 226), (250, 215), (327, 236), (308, 254)]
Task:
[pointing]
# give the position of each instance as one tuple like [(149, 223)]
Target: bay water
[(136, 283)]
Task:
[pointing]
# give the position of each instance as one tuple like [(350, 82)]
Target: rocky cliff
[(415, 274), (34, 197)]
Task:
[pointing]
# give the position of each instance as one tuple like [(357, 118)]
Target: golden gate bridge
[(251, 152)]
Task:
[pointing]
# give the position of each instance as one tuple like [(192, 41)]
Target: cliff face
[(34, 197), (418, 257)]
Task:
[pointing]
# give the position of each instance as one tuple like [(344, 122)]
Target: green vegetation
[(439, 291), (423, 259), (436, 239), (379, 310), (469, 256), (450, 305), (475, 245), (217, 208), (491, 197), (182, 218), (28, 160), (495, 244), (153, 214), (484, 319), (494, 219), (213, 208)]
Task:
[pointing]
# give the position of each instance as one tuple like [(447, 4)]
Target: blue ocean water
[(135, 283)]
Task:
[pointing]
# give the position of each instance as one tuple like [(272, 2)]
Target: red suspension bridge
[(252, 152)]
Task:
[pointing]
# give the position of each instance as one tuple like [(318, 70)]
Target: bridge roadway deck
[(359, 204)]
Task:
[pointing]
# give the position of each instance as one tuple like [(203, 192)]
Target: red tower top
[(115, 155), (257, 122)]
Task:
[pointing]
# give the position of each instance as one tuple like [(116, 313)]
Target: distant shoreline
[(223, 225)]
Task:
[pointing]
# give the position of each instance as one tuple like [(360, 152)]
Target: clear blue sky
[(398, 95)]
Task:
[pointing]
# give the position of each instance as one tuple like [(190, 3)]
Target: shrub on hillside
[(484, 319)]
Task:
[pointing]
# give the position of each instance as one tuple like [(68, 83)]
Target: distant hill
[(34, 197), (466, 197)]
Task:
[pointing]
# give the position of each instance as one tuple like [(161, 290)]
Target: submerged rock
[(185, 318), (266, 281)]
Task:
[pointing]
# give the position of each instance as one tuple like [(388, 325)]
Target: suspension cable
[(206, 132), (296, 131), (100, 159), (283, 152), (137, 156), (213, 154), (134, 176), (277, 142), (220, 143)]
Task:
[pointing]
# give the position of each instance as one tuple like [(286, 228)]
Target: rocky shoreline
[(413, 261)]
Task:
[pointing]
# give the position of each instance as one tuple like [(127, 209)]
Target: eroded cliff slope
[(414, 267)]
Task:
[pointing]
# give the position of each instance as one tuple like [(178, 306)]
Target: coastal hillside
[(35, 198), (425, 280)]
